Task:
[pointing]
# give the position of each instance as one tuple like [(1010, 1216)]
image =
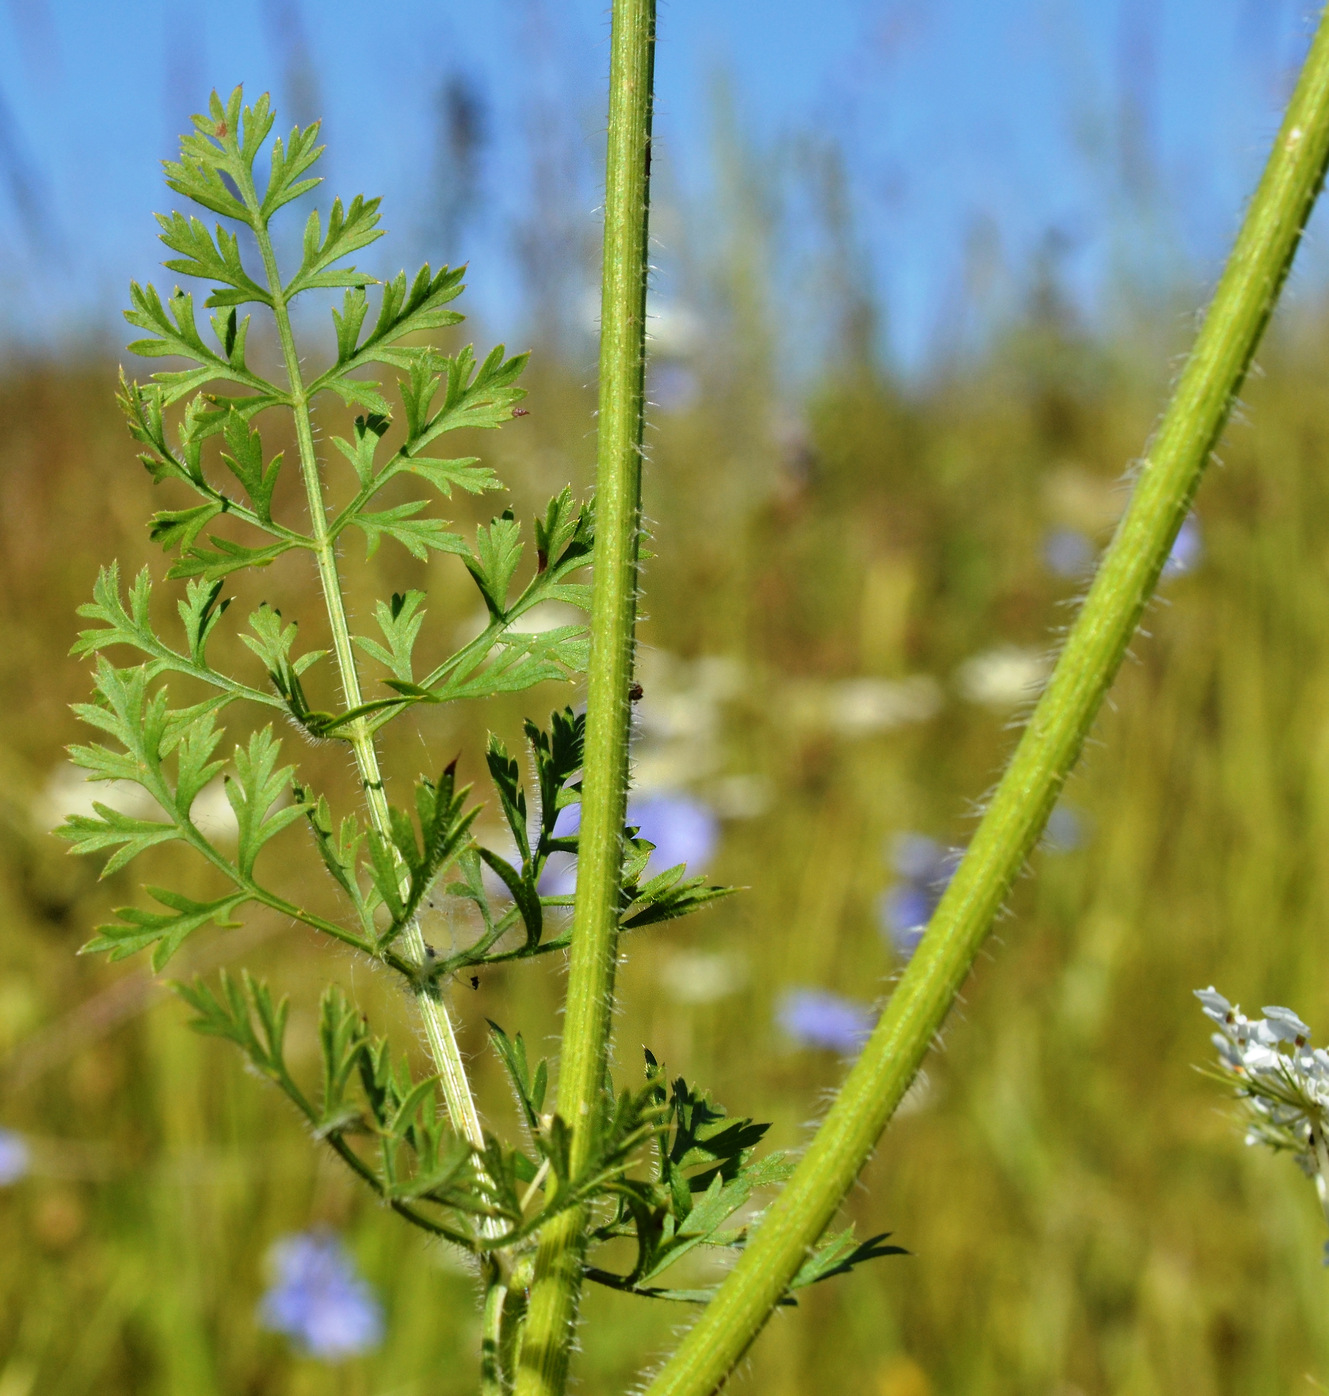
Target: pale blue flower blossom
[(924, 868), (683, 830), (1065, 830), (15, 1157), (673, 387), (819, 1018), (1187, 549), (1068, 553), (318, 1300)]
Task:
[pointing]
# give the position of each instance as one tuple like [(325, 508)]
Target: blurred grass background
[(851, 581)]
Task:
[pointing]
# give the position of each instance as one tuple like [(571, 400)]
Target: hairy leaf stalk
[(438, 1026), (594, 955), (1048, 749)]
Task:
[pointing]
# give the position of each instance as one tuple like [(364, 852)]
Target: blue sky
[(1124, 133)]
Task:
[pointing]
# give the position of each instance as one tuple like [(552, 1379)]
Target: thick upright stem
[(1047, 751), (585, 1047), (438, 1026)]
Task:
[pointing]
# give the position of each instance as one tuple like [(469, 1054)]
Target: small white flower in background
[(741, 796), (1003, 677), (868, 706), (69, 791), (1283, 1079), (15, 1158), (701, 977), (672, 328), (862, 707), (547, 616), (213, 815)]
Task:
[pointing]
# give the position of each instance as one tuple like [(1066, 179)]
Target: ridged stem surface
[(594, 955)]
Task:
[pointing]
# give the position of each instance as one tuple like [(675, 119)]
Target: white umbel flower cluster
[(1283, 1080)]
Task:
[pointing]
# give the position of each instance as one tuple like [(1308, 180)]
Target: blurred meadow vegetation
[(851, 583)]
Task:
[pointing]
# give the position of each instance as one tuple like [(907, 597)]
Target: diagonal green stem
[(438, 1026), (585, 1047), (1047, 751)]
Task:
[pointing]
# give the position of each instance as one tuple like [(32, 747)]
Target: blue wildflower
[(682, 829), (318, 1300), (673, 387), (15, 1157), (1065, 830), (924, 868), (819, 1018), (1187, 550), (1068, 553)]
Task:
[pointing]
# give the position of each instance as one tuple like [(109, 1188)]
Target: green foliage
[(416, 1142), (672, 1167), (384, 1124), (439, 393), (254, 793), (169, 752), (664, 897), (381, 1121), (405, 870)]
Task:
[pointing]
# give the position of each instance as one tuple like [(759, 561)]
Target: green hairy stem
[(594, 954), (438, 1026), (1051, 743)]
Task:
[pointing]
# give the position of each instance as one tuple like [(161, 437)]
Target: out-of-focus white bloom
[(1078, 498), (212, 814), (15, 1157), (1281, 1077), (678, 723), (68, 791), (684, 713), (920, 1095), (865, 706), (719, 676), (700, 977), (672, 328), (1003, 677), (741, 797), (548, 615)]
